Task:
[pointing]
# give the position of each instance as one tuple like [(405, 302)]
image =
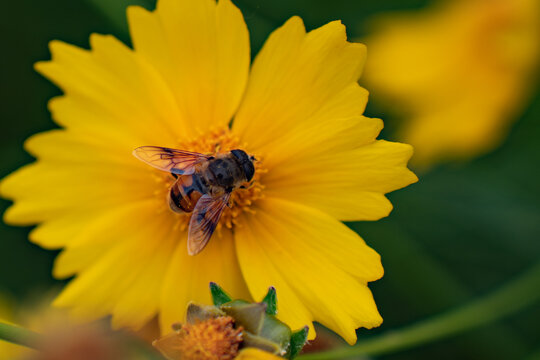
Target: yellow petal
[(256, 354), (75, 171), (88, 237), (188, 277), (336, 127), (299, 81), (318, 266), (111, 93), (260, 272), (202, 50), (61, 230), (124, 280), (65, 147), (348, 185), (458, 72), (43, 190)]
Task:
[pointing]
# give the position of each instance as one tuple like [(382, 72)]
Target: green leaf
[(219, 297), (298, 340), (271, 301)]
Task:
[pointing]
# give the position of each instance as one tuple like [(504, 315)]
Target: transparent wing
[(175, 161), (204, 220)]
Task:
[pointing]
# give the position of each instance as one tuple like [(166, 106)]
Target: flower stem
[(18, 335), (512, 297)]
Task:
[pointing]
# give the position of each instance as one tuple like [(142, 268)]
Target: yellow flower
[(299, 112), (59, 338), (458, 72)]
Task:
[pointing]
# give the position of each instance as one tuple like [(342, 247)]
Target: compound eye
[(239, 154), (249, 170)]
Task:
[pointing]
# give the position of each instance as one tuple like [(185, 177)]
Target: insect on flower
[(203, 185), (297, 107)]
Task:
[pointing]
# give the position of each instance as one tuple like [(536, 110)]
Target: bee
[(203, 185)]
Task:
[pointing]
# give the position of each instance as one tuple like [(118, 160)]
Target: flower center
[(222, 141), (212, 339)]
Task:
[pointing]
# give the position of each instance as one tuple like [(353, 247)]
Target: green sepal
[(249, 316), (298, 340), (277, 332), (219, 297), (270, 300), (237, 302), (198, 313), (261, 343), (261, 328)]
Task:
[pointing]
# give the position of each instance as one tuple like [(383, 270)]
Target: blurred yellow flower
[(458, 72), (61, 339), (299, 111)]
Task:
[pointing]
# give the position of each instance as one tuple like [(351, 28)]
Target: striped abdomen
[(185, 193)]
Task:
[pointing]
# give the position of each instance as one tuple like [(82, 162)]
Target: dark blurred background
[(462, 231)]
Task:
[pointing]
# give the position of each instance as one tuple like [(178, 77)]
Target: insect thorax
[(225, 172)]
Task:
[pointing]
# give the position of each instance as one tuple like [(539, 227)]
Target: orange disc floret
[(212, 339)]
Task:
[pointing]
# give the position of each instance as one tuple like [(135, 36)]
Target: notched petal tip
[(132, 10), (408, 153), (294, 22), (7, 218), (295, 19), (3, 193), (373, 323), (40, 66), (376, 123), (401, 154), (96, 39), (60, 48), (55, 46), (10, 185)]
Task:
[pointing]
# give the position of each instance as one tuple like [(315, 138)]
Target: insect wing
[(204, 220), (175, 161)]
